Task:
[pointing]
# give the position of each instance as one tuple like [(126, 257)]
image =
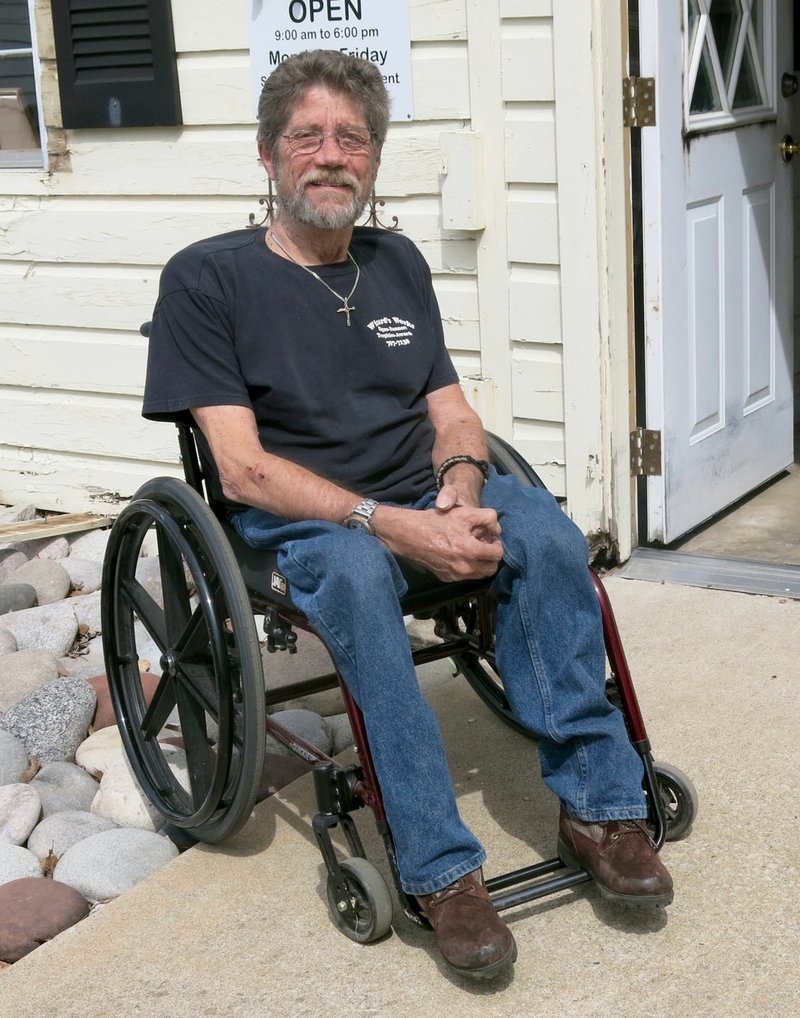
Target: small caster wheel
[(366, 914), (678, 798)]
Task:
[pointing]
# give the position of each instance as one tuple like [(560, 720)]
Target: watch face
[(354, 523)]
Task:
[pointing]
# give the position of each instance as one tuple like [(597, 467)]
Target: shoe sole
[(630, 901)]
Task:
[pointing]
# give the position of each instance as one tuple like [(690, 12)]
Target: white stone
[(84, 574), (59, 832), (16, 863), (52, 627), (106, 865), (102, 749), (14, 759), (10, 560), (20, 808), (121, 799), (48, 578), (8, 643), (91, 545), (64, 786)]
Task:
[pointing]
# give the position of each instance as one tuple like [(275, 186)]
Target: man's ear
[(265, 155)]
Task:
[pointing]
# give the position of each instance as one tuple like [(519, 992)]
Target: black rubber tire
[(679, 800), (211, 692), (369, 916)]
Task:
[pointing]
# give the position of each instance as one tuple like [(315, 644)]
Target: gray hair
[(359, 80)]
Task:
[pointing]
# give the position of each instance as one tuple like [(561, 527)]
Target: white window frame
[(30, 158), (728, 117)]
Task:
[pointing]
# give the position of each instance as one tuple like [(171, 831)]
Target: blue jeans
[(550, 654)]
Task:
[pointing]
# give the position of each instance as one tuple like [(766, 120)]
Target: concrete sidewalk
[(242, 930)]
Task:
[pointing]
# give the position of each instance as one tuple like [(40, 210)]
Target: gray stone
[(14, 759), (341, 733), (20, 809), (10, 560), (52, 627), (8, 643), (148, 573), (64, 786), (88, 663), (91, 545), (87, 611), (22, 673), (106, 865), (53, 720), (16, 597), (53, 548), (18, 513), (50, 579), (59, 832), (304, 723), (84, 574), (17, 862)]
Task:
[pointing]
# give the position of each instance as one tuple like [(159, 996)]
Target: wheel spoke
[(200, 759), (177, 608), (148, 611), (161, 706)]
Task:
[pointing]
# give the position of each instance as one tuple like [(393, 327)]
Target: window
[(729, 62), (21, 128)]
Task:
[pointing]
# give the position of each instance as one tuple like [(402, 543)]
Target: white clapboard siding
[(534, 295), (533, 225), (537, 380), (76, 360), (530, 137), (82, 422), (75, 482)]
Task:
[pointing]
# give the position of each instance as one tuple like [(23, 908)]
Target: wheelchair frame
[(212, 678)]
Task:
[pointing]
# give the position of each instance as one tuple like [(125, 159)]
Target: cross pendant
[(347, 308)]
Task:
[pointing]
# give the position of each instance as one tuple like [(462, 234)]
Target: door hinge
[(645, 453), (638, 102)]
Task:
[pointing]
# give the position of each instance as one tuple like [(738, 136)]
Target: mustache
[(335, 179)]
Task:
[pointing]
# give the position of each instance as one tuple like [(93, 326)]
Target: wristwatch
[(361, 517)]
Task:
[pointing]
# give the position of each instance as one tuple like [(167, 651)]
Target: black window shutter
[(116, 63)]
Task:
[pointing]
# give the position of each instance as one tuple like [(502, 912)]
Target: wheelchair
[(212, 696)]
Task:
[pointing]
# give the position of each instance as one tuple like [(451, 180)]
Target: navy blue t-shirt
[(235, 324)]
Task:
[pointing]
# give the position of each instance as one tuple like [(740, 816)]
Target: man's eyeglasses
[(307, 142)]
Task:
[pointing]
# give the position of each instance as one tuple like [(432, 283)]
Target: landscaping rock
[(50, 579), (64, 786), (102, 749), (148, 573), (19, 513), (105, 865), (91, 545), (16, 597), (104, 715), (304, 723), (121, 799), (11, 559), (20, 808), (87, 611), (17, 862), (8, 643), (85, 664), (55, 834), (14, 759), (33, 911), (341, 733), (53, 720), (22, 673), (84, 574), (52, 628), (53, 548)]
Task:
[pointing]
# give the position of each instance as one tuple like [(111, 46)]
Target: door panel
[(717, 221)]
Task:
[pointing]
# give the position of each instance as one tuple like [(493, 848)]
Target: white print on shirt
[(395, 331)]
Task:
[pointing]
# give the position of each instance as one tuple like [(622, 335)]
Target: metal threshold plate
[(744, 575)]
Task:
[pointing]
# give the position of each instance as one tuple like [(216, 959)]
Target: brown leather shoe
[(469, 933), (621, 857)]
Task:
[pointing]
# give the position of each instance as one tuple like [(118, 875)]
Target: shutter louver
[(116, 63)]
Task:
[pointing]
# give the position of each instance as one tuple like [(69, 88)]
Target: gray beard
[(340, 217)]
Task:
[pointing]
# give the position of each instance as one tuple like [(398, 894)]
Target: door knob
[(789, 148)]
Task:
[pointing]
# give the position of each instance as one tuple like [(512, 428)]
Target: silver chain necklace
[(347, 308)]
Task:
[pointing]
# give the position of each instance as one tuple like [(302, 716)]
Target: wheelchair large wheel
[(210, 699)]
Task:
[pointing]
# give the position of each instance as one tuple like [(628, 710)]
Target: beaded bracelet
[(451, 461)]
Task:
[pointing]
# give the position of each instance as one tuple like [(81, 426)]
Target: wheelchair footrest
[(538, 881)]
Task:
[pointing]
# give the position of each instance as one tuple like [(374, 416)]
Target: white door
[(717, 236)]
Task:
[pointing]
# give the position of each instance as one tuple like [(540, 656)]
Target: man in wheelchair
[(311, 356)]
